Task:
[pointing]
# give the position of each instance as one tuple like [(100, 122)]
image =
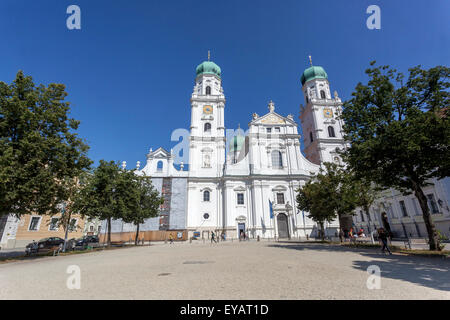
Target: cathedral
[(246, 183), (248, 186)]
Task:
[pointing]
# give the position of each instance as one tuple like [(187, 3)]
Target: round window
[(206, 216)]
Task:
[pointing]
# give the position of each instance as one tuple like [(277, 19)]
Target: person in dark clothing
[(213, 237), (341, 235), (383, 237)]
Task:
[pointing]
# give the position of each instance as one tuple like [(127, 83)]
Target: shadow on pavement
[(425, 271)]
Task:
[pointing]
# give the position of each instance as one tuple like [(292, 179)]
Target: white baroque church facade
[(248, 184), (251, 186)]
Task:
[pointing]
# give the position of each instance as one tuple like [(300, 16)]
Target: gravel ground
[(247, 270)]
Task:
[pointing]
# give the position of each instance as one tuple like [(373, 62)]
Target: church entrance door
[(241, 230), (283, 230)]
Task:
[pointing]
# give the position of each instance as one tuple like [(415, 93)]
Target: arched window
[(206, 195), (331, 132), (277, 160), (207, 127), (322, 94), (311, 137), (159, 166), (208, 90)]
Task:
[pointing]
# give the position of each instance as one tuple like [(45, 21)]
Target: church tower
[(322, 128), (207, 131)]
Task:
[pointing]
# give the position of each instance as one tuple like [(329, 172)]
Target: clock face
[(207, 109), (328, 113)]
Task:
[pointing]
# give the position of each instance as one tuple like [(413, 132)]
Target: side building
[(171, 183), (17, 233)]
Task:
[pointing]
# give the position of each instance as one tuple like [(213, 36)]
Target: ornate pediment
[(273, 119), (160, 153)]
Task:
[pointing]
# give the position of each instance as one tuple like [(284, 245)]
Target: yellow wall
[(43, 232)]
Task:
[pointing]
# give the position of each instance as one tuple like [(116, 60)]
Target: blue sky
[(130, 70)]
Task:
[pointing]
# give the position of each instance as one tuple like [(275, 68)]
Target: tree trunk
[(366, 211), (137, 235), (67, 232), (108, 241), (322, 231), (433, 238)]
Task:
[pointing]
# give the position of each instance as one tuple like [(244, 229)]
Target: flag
[(271, 209)]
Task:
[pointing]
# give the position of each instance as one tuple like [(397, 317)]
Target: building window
[(206, 196), (280, 198), (240, 198), (277, 129), (432, 203), (403, 208), (53, 224), (269, 130), (311, 137), (322, 94), (208, 90), (73, 225), (206, 216), (416, 210), (34, 224), (331, 132), (159, 166), (277, 160), (307, 100), (207, 127), (91, 228)]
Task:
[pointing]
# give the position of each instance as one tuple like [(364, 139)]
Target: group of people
[(213, 237), (383, 237), (242, 236)]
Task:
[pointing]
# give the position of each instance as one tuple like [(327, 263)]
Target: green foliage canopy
[(39, 149)]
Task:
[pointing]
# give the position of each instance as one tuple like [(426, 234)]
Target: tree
[(102, 194), (400, 132), (38, 147), (366, 194), (67, 208), (146, 202), (312, 199), (329, 195)]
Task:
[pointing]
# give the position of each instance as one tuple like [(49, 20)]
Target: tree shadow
[(432, 272)]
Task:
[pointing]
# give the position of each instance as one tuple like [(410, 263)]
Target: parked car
[(84, 242), (46, 243)]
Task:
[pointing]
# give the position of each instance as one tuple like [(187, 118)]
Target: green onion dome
[(208, 67), (314, 72), (237, 143)]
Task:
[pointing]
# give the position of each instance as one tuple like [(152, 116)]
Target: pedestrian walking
[(213, 237), (383, 237), (341, 235), (170, 238)]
